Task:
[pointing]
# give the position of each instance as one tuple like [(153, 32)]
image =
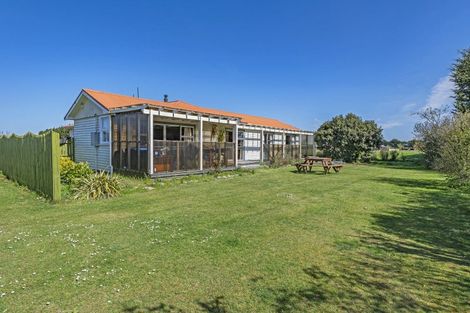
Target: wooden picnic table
[(326, 163), (313, 159)]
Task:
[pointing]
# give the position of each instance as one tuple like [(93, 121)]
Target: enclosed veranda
[(162, 143)]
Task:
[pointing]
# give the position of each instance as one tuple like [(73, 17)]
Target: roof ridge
[(120, 95)]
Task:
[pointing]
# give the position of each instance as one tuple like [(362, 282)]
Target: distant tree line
[(400, 144)]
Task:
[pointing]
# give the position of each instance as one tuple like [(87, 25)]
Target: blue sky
[(299, 61)]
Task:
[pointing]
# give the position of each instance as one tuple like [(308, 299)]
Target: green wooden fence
[(33, 161), (67, 149)]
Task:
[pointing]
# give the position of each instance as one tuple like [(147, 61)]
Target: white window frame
[(182, 138), (105, 127)]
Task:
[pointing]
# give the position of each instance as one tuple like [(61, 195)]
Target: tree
[(430, 133), (460, 76), (348, 137)]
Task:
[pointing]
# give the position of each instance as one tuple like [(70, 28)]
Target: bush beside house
[(86, 184)]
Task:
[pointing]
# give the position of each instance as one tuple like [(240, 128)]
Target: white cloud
[(391, 124), (402, 119), (441, 94), (408, 107)]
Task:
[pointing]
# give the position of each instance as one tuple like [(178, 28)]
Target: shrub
[(69, 170), (277, 161), (430, 133), (384, 154), (455, 154), (98, 185), (394, 155)]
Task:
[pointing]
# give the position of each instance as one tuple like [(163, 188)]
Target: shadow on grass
[(313, 172), (159, 308), (215, 305), (430, 184), (416, 258), (357, 287), (401, 165), (434, 223)]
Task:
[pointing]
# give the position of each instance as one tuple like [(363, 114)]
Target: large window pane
[(172, 132), (115, 126), (123, 127), (116, 155), (229, 136), (187, 133), (143, 164), (132, 127), (124, 156), (158, 132), (143, 128), (133, 162)]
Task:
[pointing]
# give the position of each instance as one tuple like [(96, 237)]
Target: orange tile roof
[(113, 101)]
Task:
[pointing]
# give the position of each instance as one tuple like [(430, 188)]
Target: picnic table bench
[(326, 163)]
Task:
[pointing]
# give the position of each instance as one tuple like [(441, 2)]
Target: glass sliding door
[(218, 155), (174, 149), (249, 145), (272, 147), (308, 145), (292, 148)]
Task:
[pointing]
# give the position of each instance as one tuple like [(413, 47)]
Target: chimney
[(165, 98)]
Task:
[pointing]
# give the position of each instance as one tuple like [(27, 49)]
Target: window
[(132, 127), (104, 129), (187, 133), (158, 133), (292, 139), (172, 132), (229, 136)]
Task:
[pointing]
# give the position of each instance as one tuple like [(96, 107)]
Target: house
[(122, 133)]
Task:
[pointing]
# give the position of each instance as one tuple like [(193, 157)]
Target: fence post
[(55, 159)]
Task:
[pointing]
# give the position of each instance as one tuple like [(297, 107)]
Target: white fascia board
[(189, 116), (128, 109), (221, 120)]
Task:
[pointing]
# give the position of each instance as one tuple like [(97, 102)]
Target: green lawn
[(373, 238)]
